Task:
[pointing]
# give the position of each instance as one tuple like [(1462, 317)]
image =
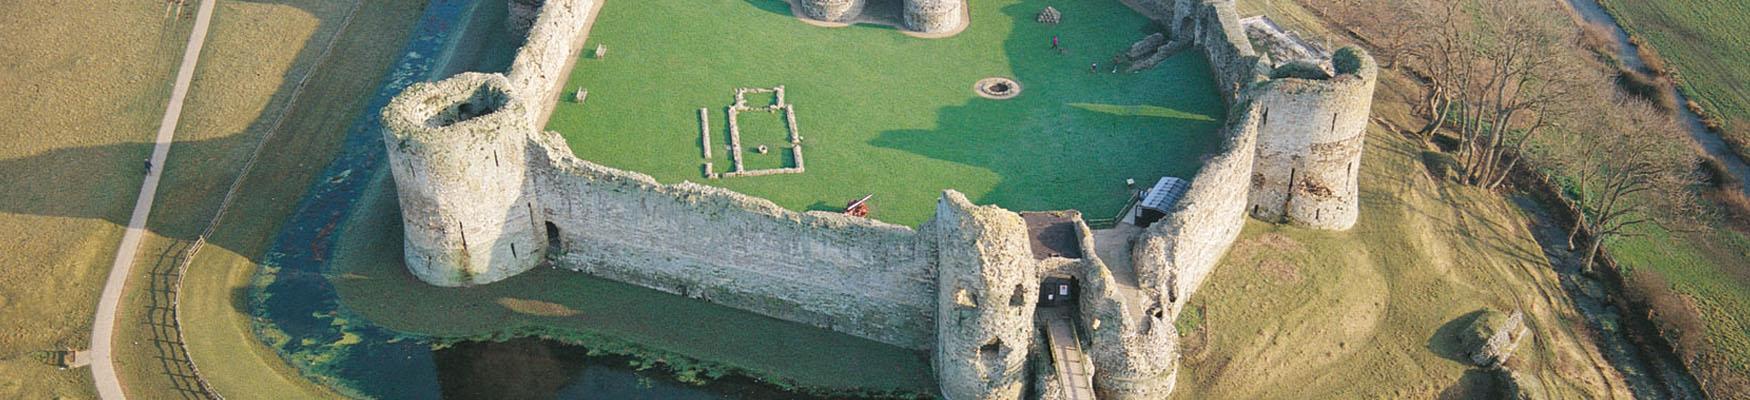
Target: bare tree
[(1500, 78), (1626, 166)]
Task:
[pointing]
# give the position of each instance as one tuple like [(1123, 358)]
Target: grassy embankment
[(1698, 276), (1703, 42), (86, 87), (255, 55), (1370, 313), (884, 113)]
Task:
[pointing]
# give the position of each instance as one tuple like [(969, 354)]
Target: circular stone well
[(997, 88)]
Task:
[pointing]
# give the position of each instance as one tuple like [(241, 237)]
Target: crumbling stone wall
[(934, 16), (832, 10), (986, 295), (542, 64), (467, 152), (456, 149), (1214, 26), (853, 275), (1309, 144)]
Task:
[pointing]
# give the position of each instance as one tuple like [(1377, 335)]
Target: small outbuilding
[(1160, 199)]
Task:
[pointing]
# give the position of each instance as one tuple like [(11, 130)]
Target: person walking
[(148, 166), (1054, 43)]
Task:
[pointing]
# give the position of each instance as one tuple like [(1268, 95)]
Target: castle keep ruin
[(927, 16), (486, 194)]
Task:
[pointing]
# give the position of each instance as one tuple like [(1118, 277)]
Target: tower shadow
[(1074, 135)]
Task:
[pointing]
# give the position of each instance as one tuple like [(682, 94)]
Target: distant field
[(86, 86), (1706, 41), (887, 114)]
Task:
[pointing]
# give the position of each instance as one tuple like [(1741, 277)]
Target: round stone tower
[(933, 16), (832, 10), (987, 287), (1310, 138), (457, 151)]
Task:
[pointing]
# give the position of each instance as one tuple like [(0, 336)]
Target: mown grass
[(1704, 40), (86, 86), (254, 56), (884, 113), (1370, 313), (1374, 312), (219, 325), (607, 316)]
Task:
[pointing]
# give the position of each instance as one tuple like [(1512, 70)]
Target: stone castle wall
[(1214, 26), (962, 285), (456, 149), (986, 295), (832, 10), (1309, 145), (541, 66), (853, 275), (934, 16)]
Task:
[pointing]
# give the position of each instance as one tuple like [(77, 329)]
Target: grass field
[(219, 326), (1704, 40), (373, 282), (87, 85), (887, 114), (1709, 269), (1295, 313), (97, 80)]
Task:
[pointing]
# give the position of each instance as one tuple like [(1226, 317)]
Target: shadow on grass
[(1476, 383), (1071, 126), (1448, 342)]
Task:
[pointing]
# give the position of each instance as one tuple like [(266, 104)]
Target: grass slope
[(87, 86), (255, 54), (1704, 40), (1372, 312), (885, 113), (570, 306)]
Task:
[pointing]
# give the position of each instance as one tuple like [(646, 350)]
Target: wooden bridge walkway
[(1074, 372)]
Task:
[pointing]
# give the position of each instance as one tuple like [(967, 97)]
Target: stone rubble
[(1050, 16)]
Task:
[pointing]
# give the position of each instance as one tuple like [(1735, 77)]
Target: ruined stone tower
[(928, 16), (832, 10), (985, 293), (933, 16), (1310, 141), (457, 149)]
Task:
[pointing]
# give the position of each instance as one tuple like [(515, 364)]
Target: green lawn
[(885, 113), (1705, 40), (1707, 268)]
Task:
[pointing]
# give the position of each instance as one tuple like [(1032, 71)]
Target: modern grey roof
[(1165, 193)]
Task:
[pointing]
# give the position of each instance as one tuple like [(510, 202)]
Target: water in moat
[(1706, 140), (297, 309)]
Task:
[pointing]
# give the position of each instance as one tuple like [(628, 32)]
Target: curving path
[(103, 326)]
